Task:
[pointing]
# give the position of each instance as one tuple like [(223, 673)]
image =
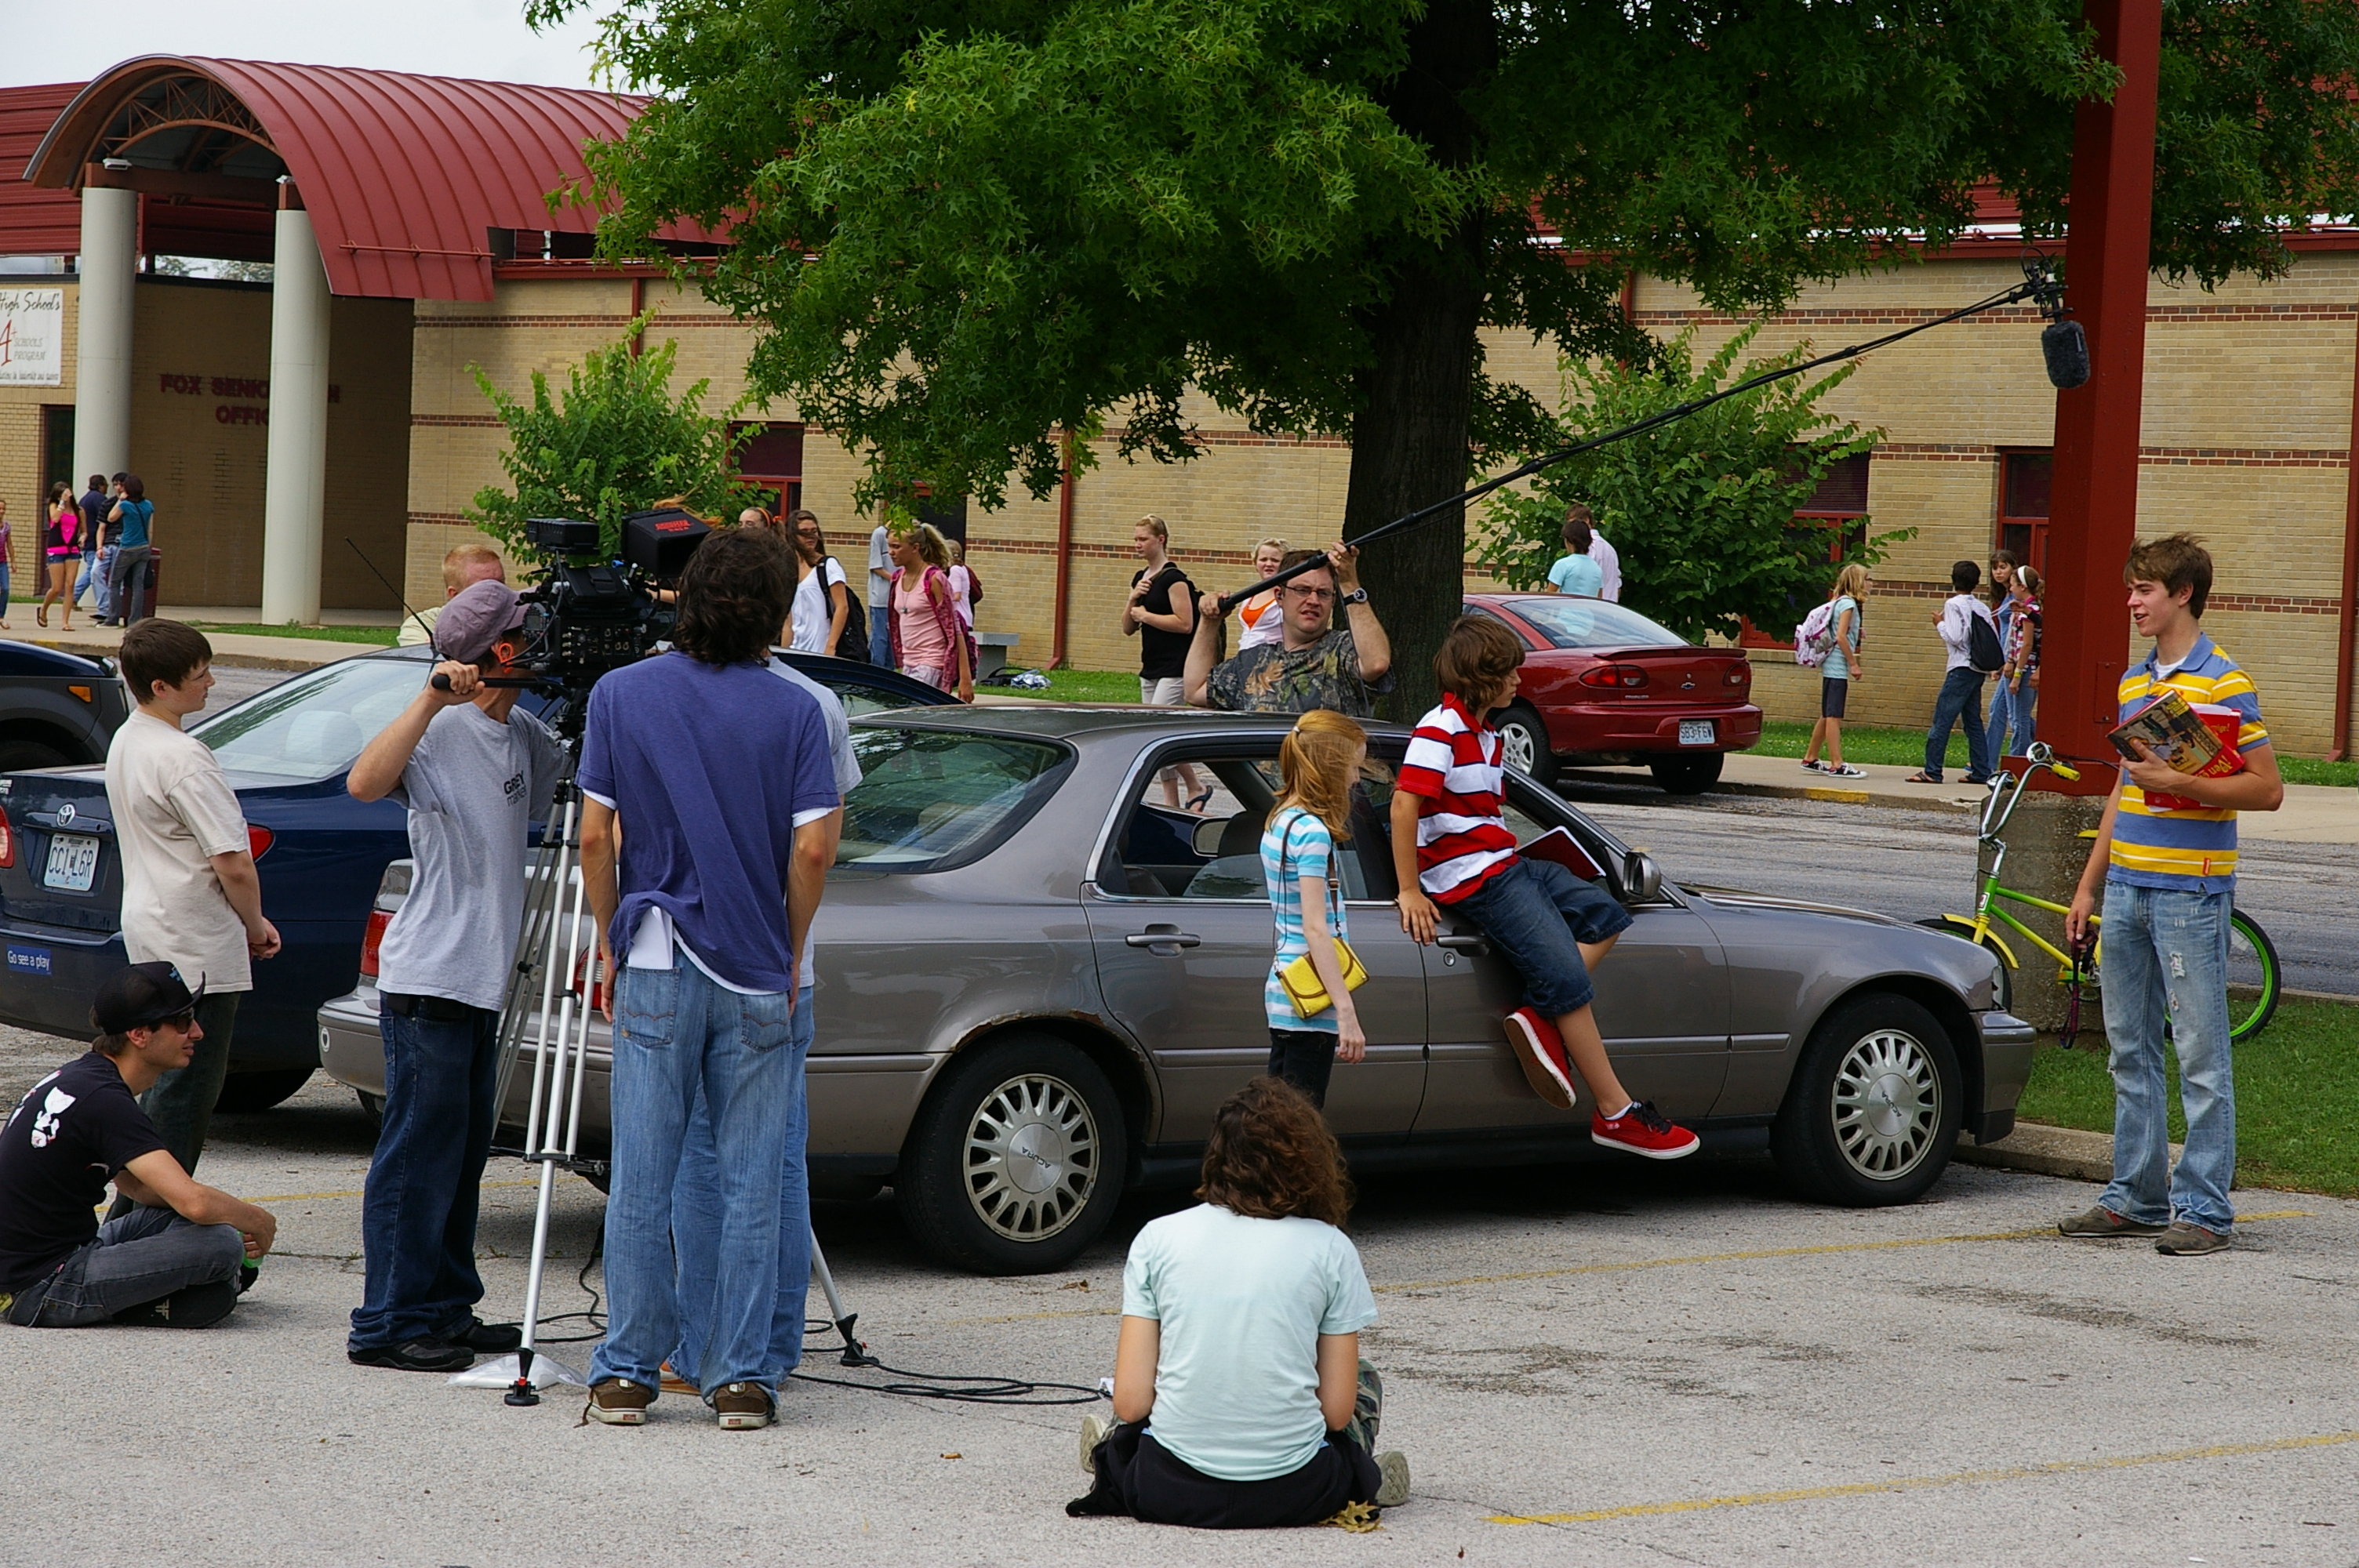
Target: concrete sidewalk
[(2312, 813), (267, 653)]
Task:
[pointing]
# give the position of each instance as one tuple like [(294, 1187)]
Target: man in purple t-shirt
[(707, 789)]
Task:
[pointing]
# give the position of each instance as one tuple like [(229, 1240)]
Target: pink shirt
[(922, 642)]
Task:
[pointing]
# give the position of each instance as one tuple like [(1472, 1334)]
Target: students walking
[(928, 642), (1998, 592), (1317, 764), (1239, 1394), (5, 546), (2018, 682), (2168, 880), (130, 519), (823, 597), (98, 557), (880, 597), (1161, 613), (62, 544), (1574, 572), (1970, 636), (1835, 676)]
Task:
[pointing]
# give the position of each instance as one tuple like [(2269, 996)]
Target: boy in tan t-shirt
[(190, 897)]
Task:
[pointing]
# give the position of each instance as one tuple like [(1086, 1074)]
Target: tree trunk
[(1409, 437)]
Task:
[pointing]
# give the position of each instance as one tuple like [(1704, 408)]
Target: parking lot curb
[(1789, 792), (2044, 1150)]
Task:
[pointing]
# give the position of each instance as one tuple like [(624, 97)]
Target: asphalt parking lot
[(1591, 1364)]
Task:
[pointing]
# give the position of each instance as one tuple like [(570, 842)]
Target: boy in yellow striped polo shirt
[(2169, 878)]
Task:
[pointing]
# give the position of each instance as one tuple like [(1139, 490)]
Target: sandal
[(41, 613), (1197, 803), (1920, 777)]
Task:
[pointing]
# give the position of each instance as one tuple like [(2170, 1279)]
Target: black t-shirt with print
[(69, 1134), (1163, 655)]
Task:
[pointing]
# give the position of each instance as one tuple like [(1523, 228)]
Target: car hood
[(1731, 898)]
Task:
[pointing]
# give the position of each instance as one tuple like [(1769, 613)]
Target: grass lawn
[(1085, 686), (2296, 1098), (369, 636), (1869, 743)]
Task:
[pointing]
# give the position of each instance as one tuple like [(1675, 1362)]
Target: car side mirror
[(1206, 838), (1642, 878)]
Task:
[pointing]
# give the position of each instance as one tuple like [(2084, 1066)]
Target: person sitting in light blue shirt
[(1574, 572), (1240, 1398)]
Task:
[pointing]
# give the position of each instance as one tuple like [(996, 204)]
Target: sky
[(485, 38)]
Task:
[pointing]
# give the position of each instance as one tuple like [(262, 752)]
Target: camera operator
[(473, 771), (705, 844)]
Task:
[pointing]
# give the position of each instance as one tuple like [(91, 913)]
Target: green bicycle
[(2255, 982)]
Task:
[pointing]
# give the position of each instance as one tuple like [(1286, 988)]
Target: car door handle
[(1470, 943), (1162, 937)]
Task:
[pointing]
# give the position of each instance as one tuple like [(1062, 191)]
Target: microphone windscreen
[(2067, 350)]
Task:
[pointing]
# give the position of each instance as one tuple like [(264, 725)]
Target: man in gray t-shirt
[(473, 773)]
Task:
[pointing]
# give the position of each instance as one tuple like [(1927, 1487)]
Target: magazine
[(2196, 739), (1562, 846)]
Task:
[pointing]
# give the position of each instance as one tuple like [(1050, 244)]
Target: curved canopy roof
[(404, 175)]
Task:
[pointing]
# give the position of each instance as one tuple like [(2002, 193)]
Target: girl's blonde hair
[(1261, 545), (932, 547), (1852, 581), (1315, 767)]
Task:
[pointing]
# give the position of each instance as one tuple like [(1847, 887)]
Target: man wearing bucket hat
[(182, 1255), (473, 771)]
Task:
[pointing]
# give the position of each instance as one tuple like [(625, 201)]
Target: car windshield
[(312, 726), (1568, 622), (931, 799)]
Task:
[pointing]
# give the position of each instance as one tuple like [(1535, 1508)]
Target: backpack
[(1814, 638), (853, 644), (1983, 651)]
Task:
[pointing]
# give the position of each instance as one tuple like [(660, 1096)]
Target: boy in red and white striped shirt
[(1451, 847)]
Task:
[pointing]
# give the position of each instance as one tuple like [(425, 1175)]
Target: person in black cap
[(180, 1258), (474, 771)]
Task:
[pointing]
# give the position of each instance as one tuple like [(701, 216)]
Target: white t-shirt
[(815, 608), (173, 811), (1241, 1303), (1609, 562), (962, 586), (1958, 613), (880, 559)]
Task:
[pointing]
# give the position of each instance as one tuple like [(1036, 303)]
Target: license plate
[(73, 863), (1695, 732)]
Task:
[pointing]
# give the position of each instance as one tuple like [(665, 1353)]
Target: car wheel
[(1873, 1111), (1016, 1160), (371, 1107), (1524, 743), (260, 1091), (1687, 776), (15, 756)]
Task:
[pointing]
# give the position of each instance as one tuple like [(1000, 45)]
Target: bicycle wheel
[(2253, 981)]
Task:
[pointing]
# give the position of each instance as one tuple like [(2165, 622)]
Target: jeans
[(1962, 698), (678, 1033), (96, 571), (417, 1215), (142, 1256), (2165, 954), (2012, 706), (126, 583), (696, 1232), (880, 635), (1539, 913)]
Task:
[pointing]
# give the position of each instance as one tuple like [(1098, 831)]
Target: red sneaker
[(1540, 1049), (1641, 1129)]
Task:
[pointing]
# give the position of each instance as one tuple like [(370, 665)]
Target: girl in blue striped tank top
[(1317, 764)]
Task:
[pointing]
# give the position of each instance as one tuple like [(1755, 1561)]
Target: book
[(1562, 846), (2198, 740)]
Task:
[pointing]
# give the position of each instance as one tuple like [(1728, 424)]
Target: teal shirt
[(1241, 1303), (1577, 574), (1838, 665)]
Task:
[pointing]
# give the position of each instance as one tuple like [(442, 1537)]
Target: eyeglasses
[(1310, 592)]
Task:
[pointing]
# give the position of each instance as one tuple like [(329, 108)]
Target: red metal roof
[(402, 174), (34, 222)]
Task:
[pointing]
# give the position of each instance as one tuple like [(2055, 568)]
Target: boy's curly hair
[(735, 594), (1271, 1155)]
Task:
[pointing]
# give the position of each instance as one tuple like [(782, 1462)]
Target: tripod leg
[(855, 1354)]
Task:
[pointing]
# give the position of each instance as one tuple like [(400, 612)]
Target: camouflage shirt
[(1274, 678)]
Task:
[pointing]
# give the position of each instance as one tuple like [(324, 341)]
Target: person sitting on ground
[(1315, 663), (1451, 847), (179, 1260), (1240, 1342), (462, 567), (1575, 572), (1318, 766)]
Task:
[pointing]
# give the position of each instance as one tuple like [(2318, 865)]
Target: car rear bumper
[(2007, 1043), (49, 974), (1605, 729)]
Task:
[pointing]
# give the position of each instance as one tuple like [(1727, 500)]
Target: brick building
[(2249, 424)]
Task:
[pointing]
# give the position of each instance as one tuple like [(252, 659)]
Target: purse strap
[(1334, 888)]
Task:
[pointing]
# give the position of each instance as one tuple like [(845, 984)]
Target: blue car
[(320, 852)]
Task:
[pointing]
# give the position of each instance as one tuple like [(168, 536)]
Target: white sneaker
[(1814, 767), (1393, 1465), (1093, 1431), (1845, 772)]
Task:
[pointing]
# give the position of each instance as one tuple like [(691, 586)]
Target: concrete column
[(108, 263), (294, 483)]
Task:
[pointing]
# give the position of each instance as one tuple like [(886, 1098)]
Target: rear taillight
[(372, 939), (258, 840), (1611, 677), (8, 840), (1738, 675)]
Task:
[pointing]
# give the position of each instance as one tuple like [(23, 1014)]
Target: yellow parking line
[(1773, 1252), (1845, 796), (1954, 1478)]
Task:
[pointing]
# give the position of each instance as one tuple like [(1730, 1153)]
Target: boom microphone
[(2066, 348)]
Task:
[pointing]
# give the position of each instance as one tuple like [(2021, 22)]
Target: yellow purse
[(1300, 979)]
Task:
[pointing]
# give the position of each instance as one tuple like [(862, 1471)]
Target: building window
[(2024, 478), (770, 454), (57, 446)]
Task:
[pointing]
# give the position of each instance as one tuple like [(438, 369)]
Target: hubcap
[(1887, 1104), (1031, 1157), (1516, 746)]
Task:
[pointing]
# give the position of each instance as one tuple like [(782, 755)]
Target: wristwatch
[(1357, 596)]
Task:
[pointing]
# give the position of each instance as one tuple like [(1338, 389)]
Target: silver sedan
[(1040, 966)]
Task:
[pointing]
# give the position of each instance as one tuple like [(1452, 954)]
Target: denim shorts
[(1537, 913)]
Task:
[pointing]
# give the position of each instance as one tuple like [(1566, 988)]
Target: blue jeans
[(1539, 913), (696, 1232), (880, 636), (95, 565), (417, 1215), (2011, 707), (142, 1256), (1962, 698), (126, 583), (2165, 954), (678, 1036)]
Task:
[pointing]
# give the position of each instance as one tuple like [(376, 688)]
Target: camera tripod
[(550, 997)]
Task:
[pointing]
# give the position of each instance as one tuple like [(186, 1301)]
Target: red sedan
[(1602, 684)]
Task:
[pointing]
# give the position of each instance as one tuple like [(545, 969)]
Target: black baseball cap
[(141, 996)]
